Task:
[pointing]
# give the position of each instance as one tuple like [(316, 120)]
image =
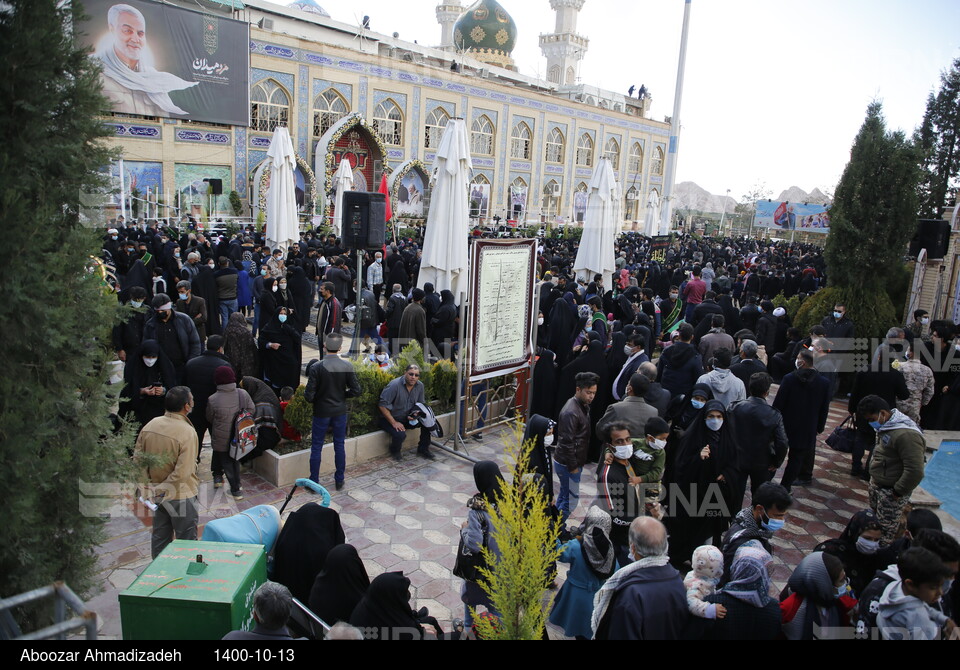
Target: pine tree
[(873, 217), (56, 437), (938, 139)]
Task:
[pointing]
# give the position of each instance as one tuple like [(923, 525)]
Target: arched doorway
[(306, 187), (350, 138)]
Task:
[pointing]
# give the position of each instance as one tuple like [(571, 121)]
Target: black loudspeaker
[(216, 186), (363, 221), (934, 236)]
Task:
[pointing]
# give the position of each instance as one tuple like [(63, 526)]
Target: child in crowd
[(288, 432), (905, 609), (702, 581)]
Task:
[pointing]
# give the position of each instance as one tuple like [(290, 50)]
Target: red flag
[(386, 192)]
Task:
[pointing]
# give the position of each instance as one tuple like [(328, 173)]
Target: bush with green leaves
[(792, 305), (871, 311), (299, 414), (517, 580), (443, 377), (236, 204), (412, 354), (363, 411)]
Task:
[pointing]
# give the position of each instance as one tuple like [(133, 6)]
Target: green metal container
[(177, 598)]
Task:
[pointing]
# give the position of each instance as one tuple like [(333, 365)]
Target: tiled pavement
[(406, 517)]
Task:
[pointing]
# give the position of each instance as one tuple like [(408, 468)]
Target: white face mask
[(549, 440), (382, 358), (628, 350), (150, 362), (925, 322), (623, 453), (658, 445), (275, 288), (539, 322)]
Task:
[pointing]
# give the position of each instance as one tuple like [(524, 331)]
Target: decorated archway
[(306, 184), (350, 138)]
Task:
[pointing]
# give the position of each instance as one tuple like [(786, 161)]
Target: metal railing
[(63, 599)]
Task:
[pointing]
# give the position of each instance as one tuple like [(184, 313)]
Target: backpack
[(243, 436)]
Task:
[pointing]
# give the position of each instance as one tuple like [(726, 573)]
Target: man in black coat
[(804, 401), (175, 332), (761, 438), (198, 376), (657, 396)]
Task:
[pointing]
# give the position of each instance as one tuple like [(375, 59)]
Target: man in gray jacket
[(633, 411)]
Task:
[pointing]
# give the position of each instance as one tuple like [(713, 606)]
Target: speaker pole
[(356, 325)]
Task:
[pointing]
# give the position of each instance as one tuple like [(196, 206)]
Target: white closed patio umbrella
[(342, 182), (600, 226), (651, 221), (283, 228), (444, 262)]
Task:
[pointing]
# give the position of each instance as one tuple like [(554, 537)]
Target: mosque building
[(346, 90)]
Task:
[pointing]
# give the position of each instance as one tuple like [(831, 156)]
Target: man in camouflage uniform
[(919, 379), (897, 465)]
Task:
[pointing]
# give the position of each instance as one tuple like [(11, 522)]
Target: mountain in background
[(692, 197)]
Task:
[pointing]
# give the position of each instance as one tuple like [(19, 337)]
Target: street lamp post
[(723, 216)]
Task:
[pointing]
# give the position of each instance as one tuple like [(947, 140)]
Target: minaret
[(447, 15), (564, 48)]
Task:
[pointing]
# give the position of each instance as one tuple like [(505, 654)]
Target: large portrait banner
[(162, 60)]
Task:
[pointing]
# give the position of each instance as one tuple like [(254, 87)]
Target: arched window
[(480, 196), (571, 76), (388, 122), (590, 101), (632, 204), (482, 137), (436, 122), (635, 164), (585, 151), (521, 142), (556, 146), (518, 199), (269, 106), (656, 165), (551, 198), (580, 198), (612, 151), (328, 108), (554, 75)]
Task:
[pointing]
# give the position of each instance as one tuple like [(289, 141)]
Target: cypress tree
[(56, 439), (873, 218), (938, 139)]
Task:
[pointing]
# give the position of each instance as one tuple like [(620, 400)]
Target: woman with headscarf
[(705, 466), (340, 586), (591, 558), (540, 431), (858, 548), (280, 352), (302, 548), (563, 323), (267, 415), (244, 286), (300, 297), (752, 613), (268, 301), (148, 375), (591, 360), (817, 594), (398, 273), (385, 609), (477, 533), (545, 385), (204, 285), (616, 356), (444, 323), (240, 347)]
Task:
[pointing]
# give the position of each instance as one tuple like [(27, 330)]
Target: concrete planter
[(283, 471)]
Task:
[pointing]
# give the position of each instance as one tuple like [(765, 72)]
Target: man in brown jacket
[(170, 443), (573, 443)]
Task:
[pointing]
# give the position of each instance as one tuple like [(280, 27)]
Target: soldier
[(919, 379)]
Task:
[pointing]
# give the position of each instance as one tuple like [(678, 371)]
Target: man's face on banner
[(131, 37)]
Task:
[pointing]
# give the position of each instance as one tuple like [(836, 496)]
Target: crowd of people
[(662, 379)]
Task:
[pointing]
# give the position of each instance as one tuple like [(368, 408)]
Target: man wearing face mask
[(761, 521), (128, 335), (762, 441), (174, 331), (194, 307), (615, 494), (898, 463), (636, 356), (804, 401)]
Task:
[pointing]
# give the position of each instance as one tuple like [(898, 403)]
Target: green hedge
[(871, 311)]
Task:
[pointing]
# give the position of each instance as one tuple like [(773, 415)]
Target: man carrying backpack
[(222, 411)]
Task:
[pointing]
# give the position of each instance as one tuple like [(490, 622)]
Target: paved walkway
[(406, 517)]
